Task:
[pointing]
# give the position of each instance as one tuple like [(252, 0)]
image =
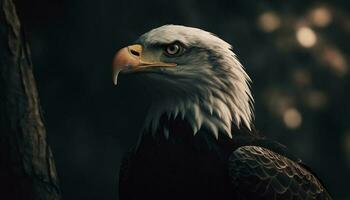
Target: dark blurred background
[(296, 52)]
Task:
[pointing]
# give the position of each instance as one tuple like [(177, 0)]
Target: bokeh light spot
[(306, 37), (320, 16), (335, 61), (292, 118), (269, 22)]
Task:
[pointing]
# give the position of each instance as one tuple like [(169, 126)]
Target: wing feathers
[(259, 172)]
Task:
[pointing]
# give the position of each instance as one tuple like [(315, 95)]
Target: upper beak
[(130, 59)]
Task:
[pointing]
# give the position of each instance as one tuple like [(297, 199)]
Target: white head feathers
[(209, 87)]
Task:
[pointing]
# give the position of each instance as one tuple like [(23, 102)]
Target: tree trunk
[(27, 169)]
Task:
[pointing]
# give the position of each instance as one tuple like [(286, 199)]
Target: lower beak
[(129, 59)]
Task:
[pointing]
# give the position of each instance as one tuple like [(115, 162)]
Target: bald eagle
[(198, 139)]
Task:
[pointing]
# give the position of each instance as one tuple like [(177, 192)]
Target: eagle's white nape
[(210, 89)]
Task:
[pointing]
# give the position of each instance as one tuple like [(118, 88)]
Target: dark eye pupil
[(173, 49)]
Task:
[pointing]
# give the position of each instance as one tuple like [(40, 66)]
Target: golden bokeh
[(320, 16), (306, 37), (269, 21), (292, 118)]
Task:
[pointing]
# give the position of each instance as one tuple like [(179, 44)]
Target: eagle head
[(193, 74)]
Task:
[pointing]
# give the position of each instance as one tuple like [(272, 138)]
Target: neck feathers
[(216, 112)]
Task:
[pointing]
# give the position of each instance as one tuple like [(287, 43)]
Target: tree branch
[(27, 169)]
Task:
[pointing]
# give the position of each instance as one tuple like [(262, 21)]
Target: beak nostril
[(135, 53)]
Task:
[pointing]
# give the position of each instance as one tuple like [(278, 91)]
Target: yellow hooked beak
[(132, 59)]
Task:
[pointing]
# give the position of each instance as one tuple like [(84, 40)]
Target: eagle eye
[(174, 49)]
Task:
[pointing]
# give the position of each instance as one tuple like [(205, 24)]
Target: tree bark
[(27, 169)]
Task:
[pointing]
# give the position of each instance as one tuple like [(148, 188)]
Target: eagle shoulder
[(259, 172)]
